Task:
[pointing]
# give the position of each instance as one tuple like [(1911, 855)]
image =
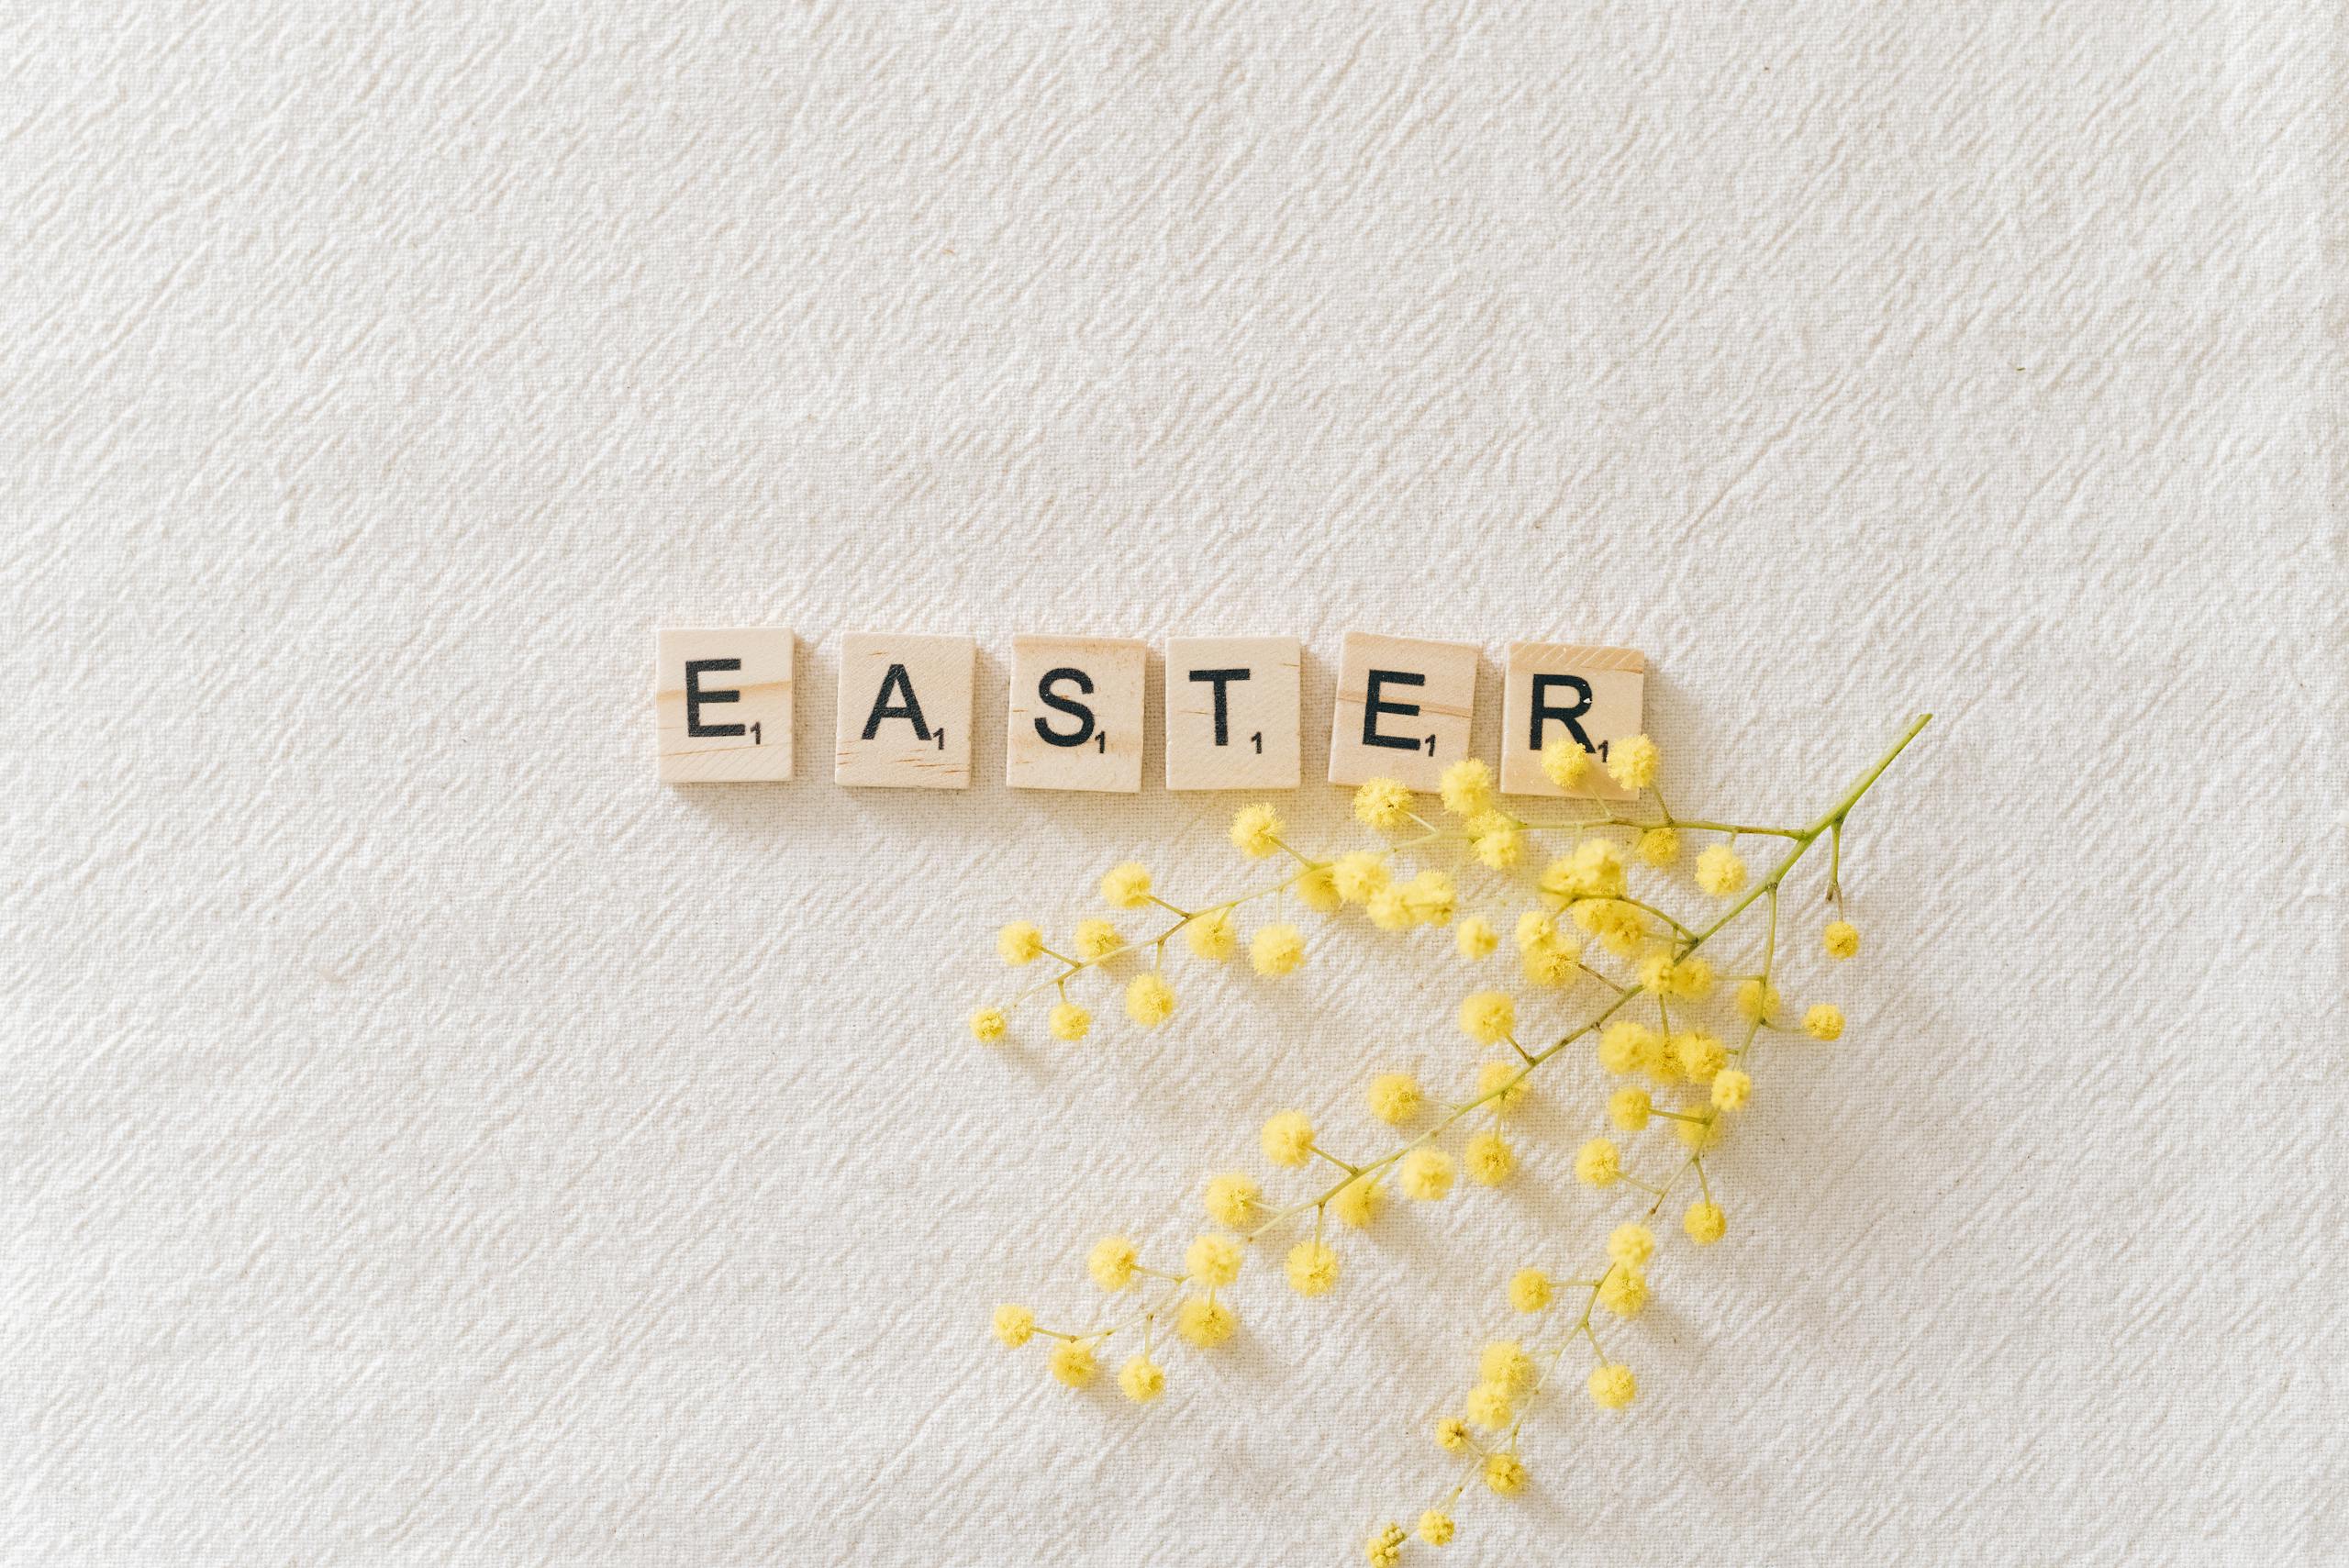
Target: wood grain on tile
[(1231, 712), (1403, 709), (1076, 714)]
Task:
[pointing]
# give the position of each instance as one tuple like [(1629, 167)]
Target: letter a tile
[(905, 712)]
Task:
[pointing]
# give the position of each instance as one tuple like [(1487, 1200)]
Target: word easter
[(724, 707)]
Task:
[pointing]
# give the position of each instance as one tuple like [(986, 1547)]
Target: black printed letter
[(1066, 705), (1543, 712), (1220, 679), (1372, 707), (896, 680), (696, 696)]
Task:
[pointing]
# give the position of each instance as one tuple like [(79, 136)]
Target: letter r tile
[(1557, 689)]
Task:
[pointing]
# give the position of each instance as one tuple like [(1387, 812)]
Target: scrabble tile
[(904, 713), (722, 704), (1231, 712), (1076, 714), (1591, 695), (1402, 710)]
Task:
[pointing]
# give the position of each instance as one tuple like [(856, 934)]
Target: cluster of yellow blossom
[(1583, 926)]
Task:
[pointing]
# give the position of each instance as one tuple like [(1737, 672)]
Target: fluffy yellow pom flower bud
[(1316, 889), (1097, 939), (1358, 1202), (1487, 1015), (1072, 1361), (1205, 1323), (1275, 951), (1535, 928), (1612, 1385), (1594, 871), (1757, 1003), (1312, 1268), (1015, 1326), (1489, 1159), (1698, 1056), (1150, 1001), (1358, 875), (1704, 1223), (1505, 1363), (1505, 1474), (1466, 786), (1692, 978), (1551, 965), (1068, 1021), (1564, 762), (1733, 1090), (1631, 1245), (1495, 839), (1475, 939), (1431, 899), (1112, 1262), (1382, 803), (1719, 872), (1658, 847), (1211, 935), (1288, 1138), (1624, 1045), (1841, 939), (1530, 1290), (1019, 942), (1126, 886), (1451, 1434), (1425, 1174), (1389, 909), (1142, 1380), (1384, 1547), (1597, 1164), (1510, 1082), (1255, 831), (1214, 1260), (1488, 1406), (1436, 1528), (1395, 1098), (1628, 1109), (1623, 1291), (1631, 763), (1233, 1199), (1824, 1022), (988, 1024)]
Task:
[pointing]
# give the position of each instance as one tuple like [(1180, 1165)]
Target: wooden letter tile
[(1076, 714), (1590, 695), (722, 704), (904, 713), (1402, 710), (1231, 712)]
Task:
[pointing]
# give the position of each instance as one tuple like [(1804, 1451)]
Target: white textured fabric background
[(427, 1141)]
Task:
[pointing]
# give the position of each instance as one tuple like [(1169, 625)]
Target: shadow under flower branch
[(1665, 973)]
